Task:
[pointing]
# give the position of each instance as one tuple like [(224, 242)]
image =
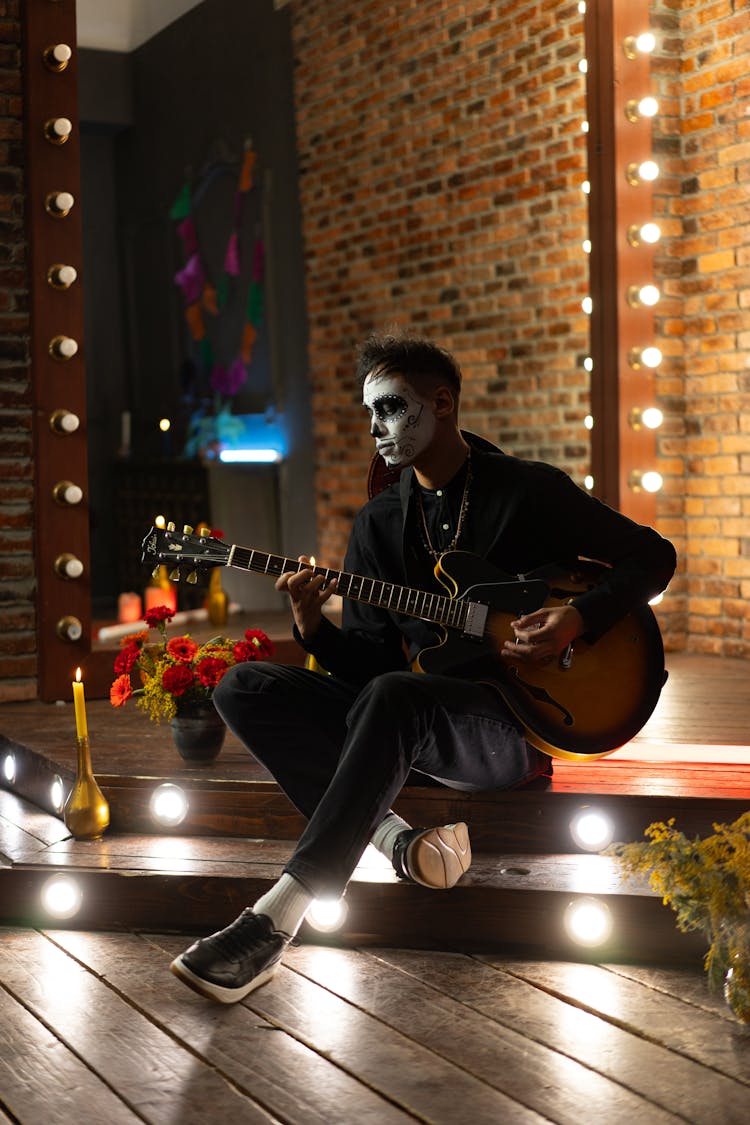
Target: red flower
[(182, 649), (157, 614), (177, 679), (260, 641), (125, 659), (244, 650), (210, 670), (121, 691)]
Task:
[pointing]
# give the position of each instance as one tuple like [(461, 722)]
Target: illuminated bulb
[(588, 921), (159, 521), (587, 305), (169, 805), (582, 7), (61, 896), (58, 129), (657, 600), (57, 793), (587, 246), (586, 187), (643, 44), (648, 232), (9, 768), (592, 830), (326, 914), (644, 357), (649, 481), (61, 276), (59, 203), (584, 126), (643, 295), (646, 107), (588, 482), (588, 421), (63, 347), (588, 363), (164, 425), (651, 418), (583, 66), (645, 172), (57, 56)]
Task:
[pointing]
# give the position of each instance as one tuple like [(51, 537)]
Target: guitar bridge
[(476, 619)]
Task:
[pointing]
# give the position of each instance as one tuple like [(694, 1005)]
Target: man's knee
[(241, 680)]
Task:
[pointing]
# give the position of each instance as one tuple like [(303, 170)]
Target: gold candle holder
[(86, 812)]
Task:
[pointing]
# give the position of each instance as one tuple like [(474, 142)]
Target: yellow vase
[(217, 602), (86, 812)]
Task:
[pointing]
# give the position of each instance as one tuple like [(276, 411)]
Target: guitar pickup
[(476, 619)]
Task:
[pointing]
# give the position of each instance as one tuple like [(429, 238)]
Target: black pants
[(342, 756)]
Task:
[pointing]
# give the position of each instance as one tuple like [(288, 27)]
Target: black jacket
[(522, 515)]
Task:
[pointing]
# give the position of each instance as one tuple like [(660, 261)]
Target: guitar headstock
[(183, 550)]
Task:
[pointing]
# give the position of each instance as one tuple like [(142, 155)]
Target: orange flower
[(182, 649), (134, 638), (121, 691)]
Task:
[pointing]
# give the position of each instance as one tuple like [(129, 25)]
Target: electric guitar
[(589, 701)]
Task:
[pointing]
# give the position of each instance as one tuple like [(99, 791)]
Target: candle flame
[(78, 675), (312, 560)]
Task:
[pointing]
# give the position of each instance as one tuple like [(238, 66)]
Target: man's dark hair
[(421, 362)]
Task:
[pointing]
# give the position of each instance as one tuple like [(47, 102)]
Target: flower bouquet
[(177, 676), (706, 881)]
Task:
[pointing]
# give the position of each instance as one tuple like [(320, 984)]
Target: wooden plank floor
[(95, 1027)]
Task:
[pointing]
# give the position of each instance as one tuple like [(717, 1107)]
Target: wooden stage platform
[(469, 1005)]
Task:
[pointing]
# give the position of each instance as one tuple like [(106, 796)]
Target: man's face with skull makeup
[(401, 421)]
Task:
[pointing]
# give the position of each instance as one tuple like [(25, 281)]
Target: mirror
[(178, 109)]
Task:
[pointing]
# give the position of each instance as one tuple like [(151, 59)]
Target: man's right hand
[(308, 595)]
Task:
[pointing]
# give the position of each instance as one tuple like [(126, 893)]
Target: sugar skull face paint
[(401, 421)]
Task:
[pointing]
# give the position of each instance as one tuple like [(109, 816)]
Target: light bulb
[(647, 232), (645, 107), (61, 276), (59, 203), (592, 830), (326, 914), (635, 45), (57, 56), (645, 172), (651, 417), (644, 357), (58, 129), (61, 896), (643, 295), (169, 805), (649, 481), (588, 921)]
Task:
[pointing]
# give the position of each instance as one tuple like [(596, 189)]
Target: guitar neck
[(387, 595)]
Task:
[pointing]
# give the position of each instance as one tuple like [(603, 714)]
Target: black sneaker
[(229, 964), (433, 857)]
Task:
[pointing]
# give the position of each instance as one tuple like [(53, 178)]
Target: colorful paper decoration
[(206, 302)]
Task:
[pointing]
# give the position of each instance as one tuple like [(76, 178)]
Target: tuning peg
[(192, 577), (174, 575), (156, 572), (187, 529), (170, 526)]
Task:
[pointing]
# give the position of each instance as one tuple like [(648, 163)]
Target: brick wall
[(441, 160), (702, 137), (17, 587)]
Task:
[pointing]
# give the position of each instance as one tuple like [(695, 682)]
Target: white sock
[(384, 836), (285, 904)]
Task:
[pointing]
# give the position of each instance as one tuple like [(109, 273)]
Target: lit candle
[(79, 702)]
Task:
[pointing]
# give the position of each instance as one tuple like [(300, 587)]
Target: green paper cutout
[(183, 204), (254, 310)]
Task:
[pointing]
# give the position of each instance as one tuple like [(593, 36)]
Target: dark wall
[(179, 108)]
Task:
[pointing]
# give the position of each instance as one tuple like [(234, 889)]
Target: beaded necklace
[(427, 542)]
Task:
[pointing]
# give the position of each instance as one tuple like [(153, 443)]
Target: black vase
[(198, 734)]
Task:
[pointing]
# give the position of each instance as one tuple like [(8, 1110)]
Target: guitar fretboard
[(450, 612)]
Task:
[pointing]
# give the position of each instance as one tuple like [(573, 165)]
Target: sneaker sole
[(440, 857), (217, 991)]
